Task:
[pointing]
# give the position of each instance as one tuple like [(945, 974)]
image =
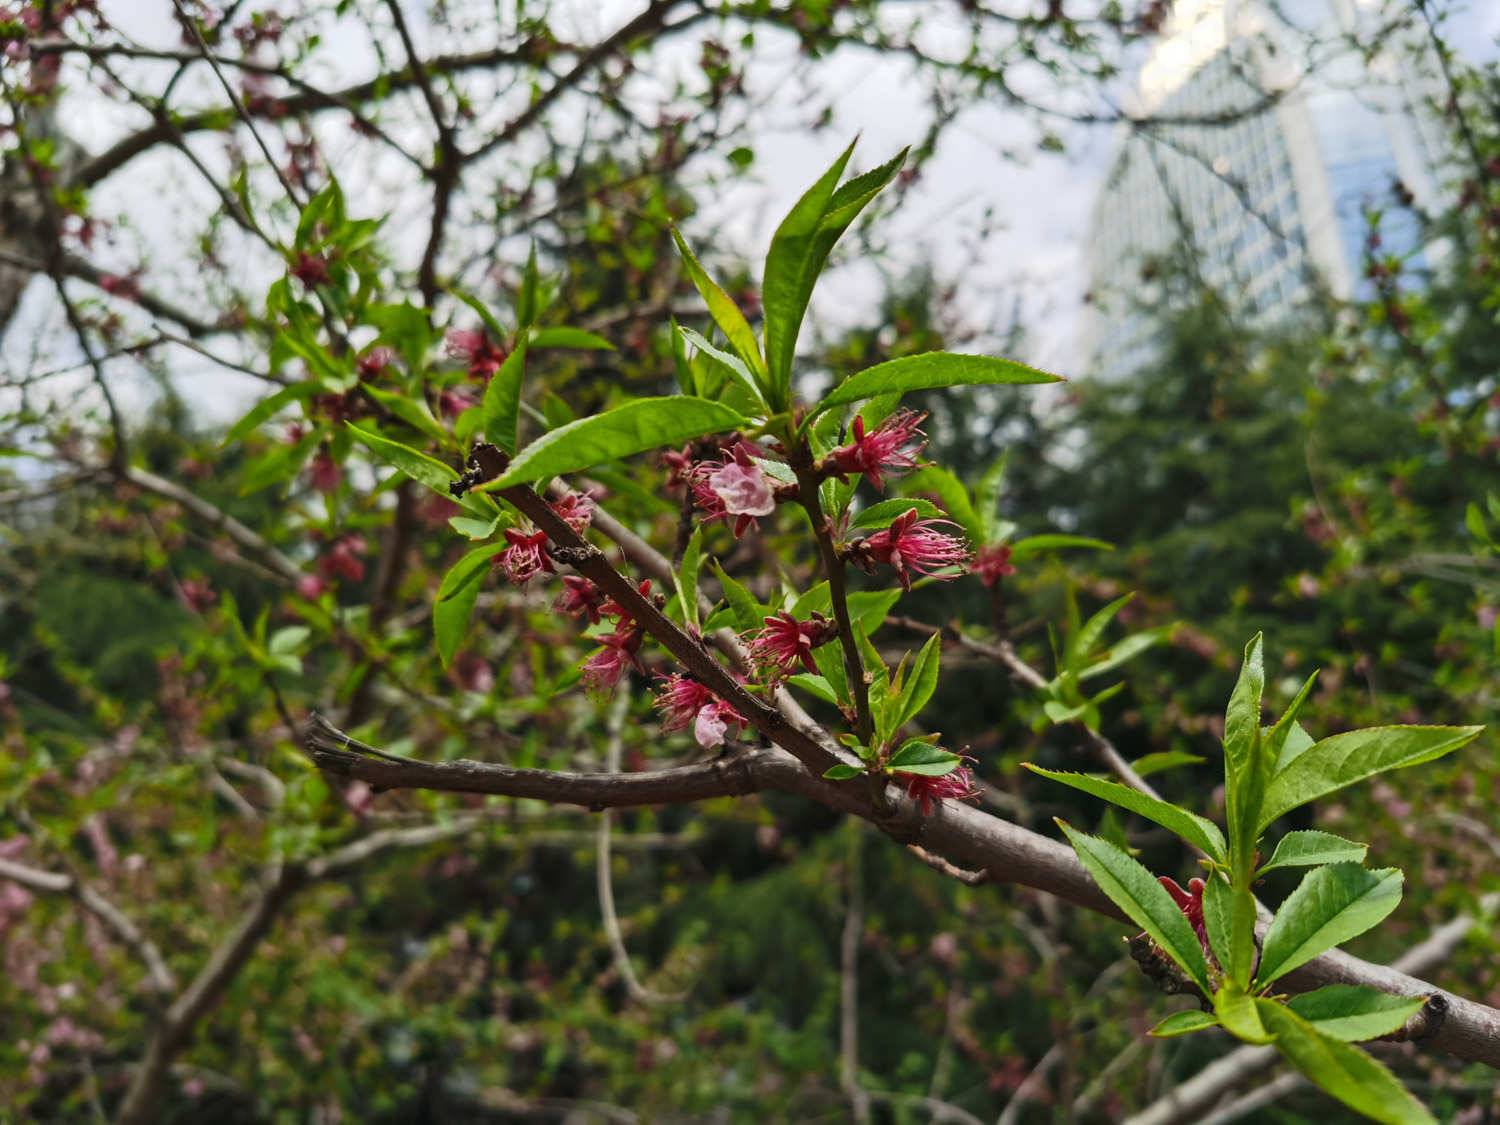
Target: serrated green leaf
[(1333, 763), (1353, 1013), (1184, 1023), (631, 428), (1311, 849), (1200, 833), (1331, 905), (931, 370), (1344, 1072), (1145, 902)]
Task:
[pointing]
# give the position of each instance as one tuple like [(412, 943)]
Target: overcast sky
[(987, 175)]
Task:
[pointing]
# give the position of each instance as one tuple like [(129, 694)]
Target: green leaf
[(919, 757), (799, 248), (1331, 905), (497, 333), (842, 772), (1034, 543), (1332, 763), (1242, 718), (815, 686), (560, 337), (920, 684), (1218, 918), (725, 313), (1344, 1072), (1353, 1013), (731, 364), (527, 299), (1312, 849), (1145, 902), (471, 528), (457, 594), (633, 427), (928, 371), (951, 493), (1183, 1023), (500, 412), (749, 614), (1238, 1015), (266, 409), (886, 512), (987, 501), (1296, 742), (686, 576), (421, 468), (1202, 834), (1161, 760), (1087, 638), (410, 409)]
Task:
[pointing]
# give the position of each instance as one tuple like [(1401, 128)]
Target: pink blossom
[(575, 509), (472, 672), (736, 487), (343, 559), (580, 598), (893, 447), (323, 472), (310, 269), (374, 361), (475, 348), (526, 557), (453, 401), (993, 563), (784, 643), (619, 652), (684, 702), (925, 789), (912, 546), (311, 587), (614, 610), (680, 699), (709, 728), (197, 594)]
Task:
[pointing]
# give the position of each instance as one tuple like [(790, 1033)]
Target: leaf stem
[(801, 461)]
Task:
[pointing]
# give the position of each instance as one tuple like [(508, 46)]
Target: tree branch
[(114, 919)]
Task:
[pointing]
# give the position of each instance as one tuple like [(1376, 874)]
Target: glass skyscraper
[(1266, 143)]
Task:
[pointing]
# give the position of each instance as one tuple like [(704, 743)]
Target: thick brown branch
[(961, 835)]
